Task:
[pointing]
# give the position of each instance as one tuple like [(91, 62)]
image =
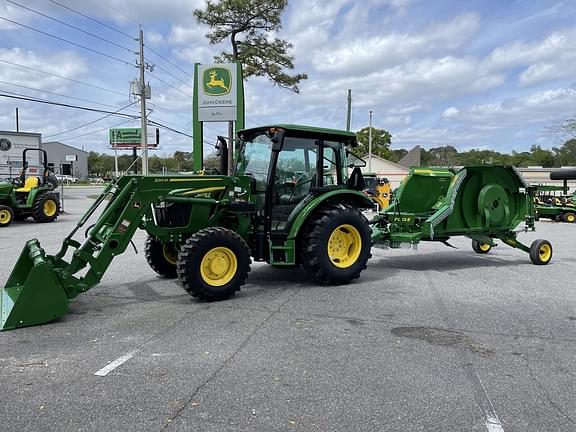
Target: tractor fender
[(301, 213)]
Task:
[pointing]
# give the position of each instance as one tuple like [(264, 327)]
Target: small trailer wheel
[(480, 247), (569, 217), (540, 252)]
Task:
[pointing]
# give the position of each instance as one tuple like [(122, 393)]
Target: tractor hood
[(5, 187)]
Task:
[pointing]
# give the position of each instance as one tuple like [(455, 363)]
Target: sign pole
[(197, 149), (116, 155)]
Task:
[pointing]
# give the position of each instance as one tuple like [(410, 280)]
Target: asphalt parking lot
[(437, 339)]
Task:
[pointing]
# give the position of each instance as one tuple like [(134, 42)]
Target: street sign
[(128, 138)]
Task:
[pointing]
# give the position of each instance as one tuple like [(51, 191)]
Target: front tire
[(213, 264), (161, 257), (336, 245), (6, 216), (540, 252), (46, 208)]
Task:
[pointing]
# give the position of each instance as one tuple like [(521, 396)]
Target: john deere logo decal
[(5, 144), (216, 81)]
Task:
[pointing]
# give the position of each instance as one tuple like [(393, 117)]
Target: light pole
[(370, 143)]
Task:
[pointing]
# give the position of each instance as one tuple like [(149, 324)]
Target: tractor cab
[(291, 165)]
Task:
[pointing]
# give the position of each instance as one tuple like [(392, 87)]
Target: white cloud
[(388, 50), (539, 107), (555, 46), (65, 63)]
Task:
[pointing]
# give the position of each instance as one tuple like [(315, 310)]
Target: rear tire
[(569, 217), (540, 252), (46, 208), (161, 257), (336, 244), (6, 215), (213, 264), (480, 247)]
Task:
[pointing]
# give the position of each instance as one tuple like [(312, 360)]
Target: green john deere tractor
[(555, 202), (289, 202), (30, 195)]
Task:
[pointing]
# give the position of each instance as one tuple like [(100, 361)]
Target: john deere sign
[(217, 81), (218, 97), (217, 93)]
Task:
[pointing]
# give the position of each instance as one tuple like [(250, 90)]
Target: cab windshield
[(255, 158)]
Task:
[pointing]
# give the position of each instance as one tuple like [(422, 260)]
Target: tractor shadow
[(445, 261)]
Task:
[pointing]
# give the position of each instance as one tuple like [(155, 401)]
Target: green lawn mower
[(29, 195)]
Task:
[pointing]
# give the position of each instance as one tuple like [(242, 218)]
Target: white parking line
[(493, 424), (113, 365), (492, 421)]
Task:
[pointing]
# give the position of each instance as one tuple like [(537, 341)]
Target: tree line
[(564, 155)]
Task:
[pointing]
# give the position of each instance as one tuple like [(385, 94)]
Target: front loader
[(290, 202)]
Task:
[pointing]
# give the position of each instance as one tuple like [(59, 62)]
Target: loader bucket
[(33, 294)]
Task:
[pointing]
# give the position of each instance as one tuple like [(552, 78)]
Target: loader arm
[(40, 286)]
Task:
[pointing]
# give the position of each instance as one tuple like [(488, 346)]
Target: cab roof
[(346, 137)]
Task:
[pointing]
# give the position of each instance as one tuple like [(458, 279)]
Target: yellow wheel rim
[(49, 207), (344, 246), (570, 218), (545, 252), (218, 267), (5, 217), (169, 254), (484, 247)]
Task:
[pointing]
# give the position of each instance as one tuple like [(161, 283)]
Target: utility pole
[(349, 113), (17, 121), (142, 86), (370, 144)]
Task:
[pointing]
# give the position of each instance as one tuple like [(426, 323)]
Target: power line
[(169, 62), (67, 41), (62, 77), (167, 121), (56, 94), (12, 95), (116, 10), (93, 19), (118, 114), (93, 132), (92, 122), (71, 26), (169, 85), (171, 74), (154, 123)]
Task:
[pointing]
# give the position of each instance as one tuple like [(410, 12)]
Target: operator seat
[(356, 180), (29, 184)]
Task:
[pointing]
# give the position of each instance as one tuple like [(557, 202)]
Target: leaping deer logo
[(219, 82)]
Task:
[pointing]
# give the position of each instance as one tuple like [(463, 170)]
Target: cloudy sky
[(473, 74)]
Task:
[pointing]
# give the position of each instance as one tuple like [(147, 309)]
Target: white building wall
[(11, 146)]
